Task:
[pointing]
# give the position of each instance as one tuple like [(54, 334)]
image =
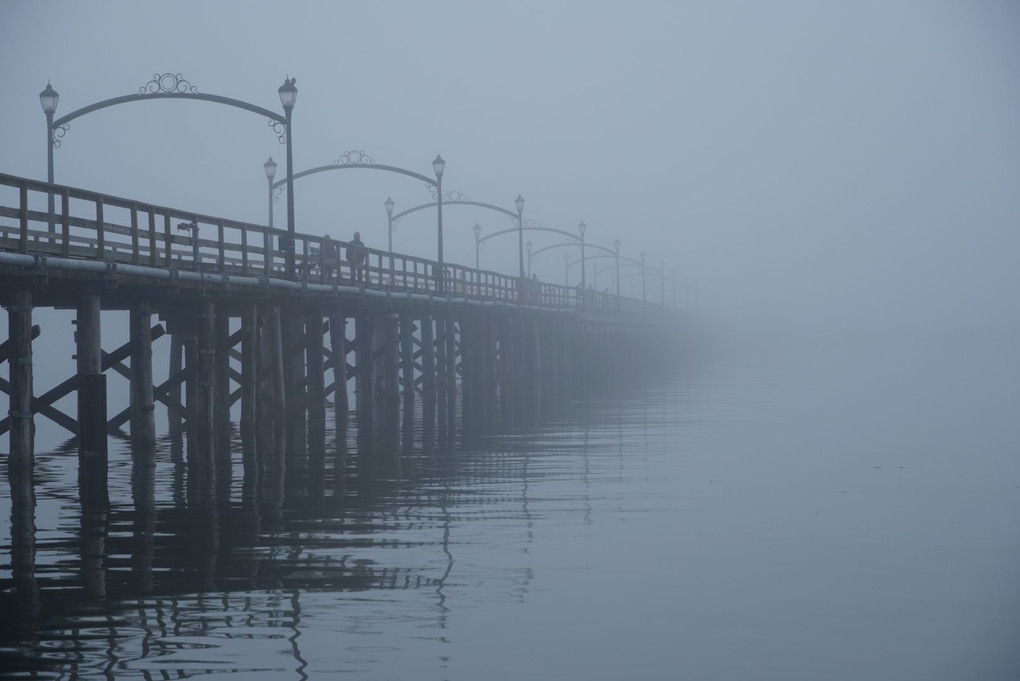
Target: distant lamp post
[(616, 246), (642, 276), (288, 97), (582, 228), (528, 246), (270, 168), (439, 166), (48, 98), (388, 205), (519, 203), (566, 269), (478, 242)]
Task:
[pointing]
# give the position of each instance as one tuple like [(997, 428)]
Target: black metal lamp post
[(388, 205), (288, 96), (439, 166), (519, 203), (616, 245), (528, 247), (48, 98), (478, 242), (582, 228), (270, 168)]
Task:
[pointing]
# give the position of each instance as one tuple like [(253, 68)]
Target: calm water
[(837, 517)]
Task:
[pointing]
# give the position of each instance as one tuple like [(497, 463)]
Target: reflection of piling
[(23, 541)]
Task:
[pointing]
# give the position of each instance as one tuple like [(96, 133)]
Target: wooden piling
[(407, 375), (338, 347), (221, 393), (428, 378), (364, 328), (92, 445), (316, 380), (19, 316), (143, 417), (250, 370)]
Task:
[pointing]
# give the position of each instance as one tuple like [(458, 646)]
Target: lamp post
[(519, 203), (528, 246), (288, 96), (270, 168), (616, 246), (439, 166), (388, 205), (566, 269), (478, 234), (662, 283), (48, 98), (582, 228), (642, 276)]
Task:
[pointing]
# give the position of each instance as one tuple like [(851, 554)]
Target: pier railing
[(92, 226)]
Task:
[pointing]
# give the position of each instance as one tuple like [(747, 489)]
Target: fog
[(809, 167)]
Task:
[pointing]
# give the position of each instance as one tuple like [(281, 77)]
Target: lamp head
[(519, 202), (388, 205), (49, 98), (616, 244), (288, 93), (528, 247), (270, 168), (478, 230), (439, 165), (582, 228)]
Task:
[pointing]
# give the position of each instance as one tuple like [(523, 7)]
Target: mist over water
[(838, 513)]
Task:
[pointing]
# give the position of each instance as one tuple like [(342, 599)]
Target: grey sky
[(831, 163)]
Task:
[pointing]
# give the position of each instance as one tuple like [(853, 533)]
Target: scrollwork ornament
[(354, 157), (277, 193), (171, 83), (57, 134), (280, 129), (455, 195)]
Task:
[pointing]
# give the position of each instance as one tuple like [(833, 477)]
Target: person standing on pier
[(356, 258), (330, 256)]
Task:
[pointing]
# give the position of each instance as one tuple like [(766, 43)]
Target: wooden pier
[(426, 351)]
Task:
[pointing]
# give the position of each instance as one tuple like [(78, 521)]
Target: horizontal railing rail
[(93, 226)]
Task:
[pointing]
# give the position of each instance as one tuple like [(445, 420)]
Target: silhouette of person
[(356, 255)]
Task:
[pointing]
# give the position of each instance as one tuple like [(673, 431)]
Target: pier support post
[(391, 374), (250, 370), (338, 347), (143, 416), (407, 374), (428, 381), (19, 316), (221, 394), (316, 381), (451, 374), (92, 448), (364, 369)]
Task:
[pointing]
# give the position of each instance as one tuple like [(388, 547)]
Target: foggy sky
[(818, 164)]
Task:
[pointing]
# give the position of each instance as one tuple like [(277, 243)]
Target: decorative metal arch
[(167, 86), (357, 158)]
